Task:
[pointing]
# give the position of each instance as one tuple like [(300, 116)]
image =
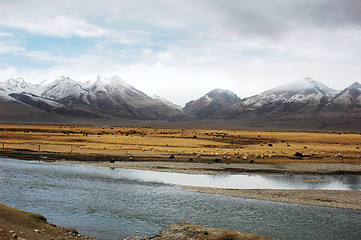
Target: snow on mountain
[(350, 97), (62, 87), (16, 85), (36, 101), (167, 102), (119, 98), (213, 101), (303, 86), (118, 90), (304, 91)]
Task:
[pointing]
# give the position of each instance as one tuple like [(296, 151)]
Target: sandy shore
[(327, 198)]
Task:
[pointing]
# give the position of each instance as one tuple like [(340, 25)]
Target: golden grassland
[(198, 145)]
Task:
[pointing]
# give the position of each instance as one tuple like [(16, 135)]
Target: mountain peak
[(305, 85), (62, 77), (355, 85), (62, 87), (16, 85), (219, 91), (111, 84), (215, 100)]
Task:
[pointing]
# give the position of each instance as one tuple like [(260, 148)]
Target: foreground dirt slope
[(184, 231), (17, 224)]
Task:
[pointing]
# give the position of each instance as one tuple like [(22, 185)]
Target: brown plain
[(197, 145)]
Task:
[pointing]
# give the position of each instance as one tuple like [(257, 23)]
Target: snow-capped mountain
[(210, 103), (305, 86), (348, 99), (104, 96), (62, 87), (116, 97), (304, 101), (298, 97), (14, 86)]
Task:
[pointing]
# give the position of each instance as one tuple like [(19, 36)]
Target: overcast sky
[(181, 49)]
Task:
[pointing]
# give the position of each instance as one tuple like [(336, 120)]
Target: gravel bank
[(328, 198)]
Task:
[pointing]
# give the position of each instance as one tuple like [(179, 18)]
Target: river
[(116, 203)]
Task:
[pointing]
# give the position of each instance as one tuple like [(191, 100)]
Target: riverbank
[(17, 224), (327, 198), (21, 225), (181, 164)]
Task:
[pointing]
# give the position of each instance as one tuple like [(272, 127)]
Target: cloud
[(9, 47), (59, 26), (43, 56), (270, 19), (8, 72), (6, 34)]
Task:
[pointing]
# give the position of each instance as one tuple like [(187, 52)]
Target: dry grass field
[(186, 144)]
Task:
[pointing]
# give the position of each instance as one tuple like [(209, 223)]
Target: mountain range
[(306, 103)]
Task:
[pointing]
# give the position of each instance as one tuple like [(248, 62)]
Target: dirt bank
[(17, 224), (327, 198)]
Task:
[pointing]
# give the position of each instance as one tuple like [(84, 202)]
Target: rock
[(183, 231), (72, 230)]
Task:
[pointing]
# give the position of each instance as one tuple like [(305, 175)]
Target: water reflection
[(244, 181)]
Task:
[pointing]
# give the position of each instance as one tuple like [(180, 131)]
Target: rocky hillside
[(211, 103)]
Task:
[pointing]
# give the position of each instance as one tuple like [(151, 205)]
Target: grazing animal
[(298, 154)]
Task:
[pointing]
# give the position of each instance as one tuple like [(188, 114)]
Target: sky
[(181, 49)]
